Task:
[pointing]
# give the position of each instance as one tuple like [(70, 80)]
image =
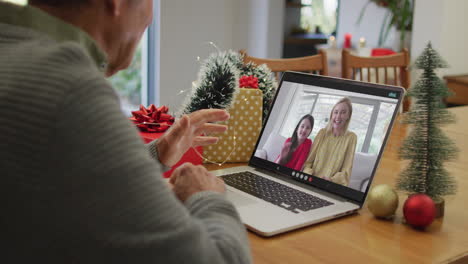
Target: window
[(384, 117), (139, 84), (19, 2), (129, 85), (319, 16), (297, 111)]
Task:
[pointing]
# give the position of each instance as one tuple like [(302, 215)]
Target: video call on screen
[(361, 127)]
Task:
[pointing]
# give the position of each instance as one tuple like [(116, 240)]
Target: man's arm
[(119, 208)]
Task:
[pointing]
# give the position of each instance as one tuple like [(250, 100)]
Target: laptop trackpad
[(238, 199)]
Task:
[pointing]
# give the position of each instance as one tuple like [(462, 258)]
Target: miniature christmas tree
[(427, 147), (218, 83)]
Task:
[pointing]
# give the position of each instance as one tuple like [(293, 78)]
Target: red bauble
[(419, 210)]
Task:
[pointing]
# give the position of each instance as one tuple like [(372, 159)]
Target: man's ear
[(114, 7)]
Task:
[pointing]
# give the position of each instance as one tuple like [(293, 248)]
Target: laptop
[(273, 196)]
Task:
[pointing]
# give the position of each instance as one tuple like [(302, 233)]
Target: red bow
[(248, 82), (152, 119)]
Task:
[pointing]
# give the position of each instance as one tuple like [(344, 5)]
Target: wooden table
[(361, 238)]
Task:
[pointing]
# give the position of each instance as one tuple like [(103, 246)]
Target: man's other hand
[(189, 179)]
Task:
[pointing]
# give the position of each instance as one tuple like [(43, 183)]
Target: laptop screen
[(327, 132)]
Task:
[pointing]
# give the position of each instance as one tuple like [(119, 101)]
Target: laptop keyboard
[(273, 192)]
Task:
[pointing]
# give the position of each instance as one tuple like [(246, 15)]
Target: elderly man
[(78, 186)]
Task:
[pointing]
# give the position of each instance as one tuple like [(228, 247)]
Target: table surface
[(361, 238)]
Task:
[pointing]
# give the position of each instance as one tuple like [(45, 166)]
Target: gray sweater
[(77, 183)]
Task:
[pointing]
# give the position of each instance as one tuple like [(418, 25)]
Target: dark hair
[(58, 3), (294, 139)]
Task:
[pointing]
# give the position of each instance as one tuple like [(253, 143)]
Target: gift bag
[(238, 142)]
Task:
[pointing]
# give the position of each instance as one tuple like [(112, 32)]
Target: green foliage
[(128, 82), (427, 147), (218, 83), (399, 14)]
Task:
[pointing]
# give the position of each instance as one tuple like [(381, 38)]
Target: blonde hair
[(347, 101)]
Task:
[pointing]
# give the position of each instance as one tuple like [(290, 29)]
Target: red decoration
[(383, 3), (190, 156), (419, 210), (152, 119), (248, 82), (347, 41), (381, 52)]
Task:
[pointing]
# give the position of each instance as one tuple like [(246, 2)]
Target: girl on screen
[(296, 148), (332, 155)]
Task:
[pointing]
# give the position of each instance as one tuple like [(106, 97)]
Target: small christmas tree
[(427, 146), (218, 82)]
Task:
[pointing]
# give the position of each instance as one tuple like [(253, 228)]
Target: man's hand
[(187, 131), (189, 179)]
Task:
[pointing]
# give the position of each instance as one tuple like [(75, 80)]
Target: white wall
[(258, 27), (444, 24), (455, 36), (186, 29), (275, 29), (369, 28), (188, 26)]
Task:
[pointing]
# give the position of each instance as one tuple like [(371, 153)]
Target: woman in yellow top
[(332, 154)]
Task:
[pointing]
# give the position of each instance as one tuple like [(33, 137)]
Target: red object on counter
[(189, 156), (347, 41), (381, 52)]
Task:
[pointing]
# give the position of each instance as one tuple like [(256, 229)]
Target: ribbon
[(248, 82), (152, 119)]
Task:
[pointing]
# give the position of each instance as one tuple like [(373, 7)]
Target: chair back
[(389, 69), (313, 64)]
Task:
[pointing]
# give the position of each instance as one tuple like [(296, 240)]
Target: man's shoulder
[(37, 54), (48, 69), (68, 59)]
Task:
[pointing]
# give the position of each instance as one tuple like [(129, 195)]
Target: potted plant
[(399, 14)]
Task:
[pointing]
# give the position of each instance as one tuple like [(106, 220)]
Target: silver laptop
[(276, 194)]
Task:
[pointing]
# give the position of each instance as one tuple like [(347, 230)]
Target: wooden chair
[(313, 64), (391, 69)]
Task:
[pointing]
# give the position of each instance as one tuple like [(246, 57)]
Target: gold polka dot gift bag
[(238, 142)]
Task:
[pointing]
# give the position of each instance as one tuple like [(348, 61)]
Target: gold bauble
[(382, 201)]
